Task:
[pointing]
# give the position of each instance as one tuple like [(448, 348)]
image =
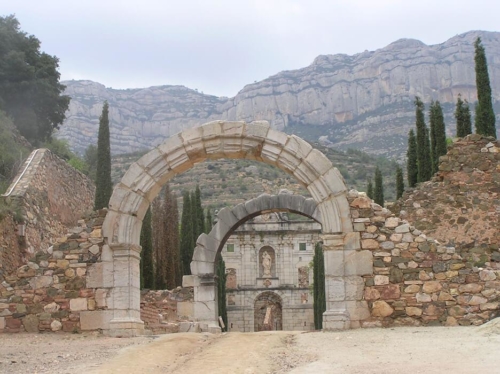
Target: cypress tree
[(438, 134), (369, 189), (466, 118), (319, 286), (103, 182), (485, 116), (432, 130), (208, 221), (159, 238), (424, 165), (400, 184), (171, 233), (411, 163), (186, 247), (378, 190), (459, 113), (147, 267), (221, 289), (199, 215)]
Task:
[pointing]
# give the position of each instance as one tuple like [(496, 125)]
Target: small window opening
[(302, 246), (230, 248)]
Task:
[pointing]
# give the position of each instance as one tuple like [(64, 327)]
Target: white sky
[(218, 46)]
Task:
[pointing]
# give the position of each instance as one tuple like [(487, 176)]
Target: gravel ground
[(426, 350)]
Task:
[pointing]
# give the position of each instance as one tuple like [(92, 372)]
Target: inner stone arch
[(219, 139)]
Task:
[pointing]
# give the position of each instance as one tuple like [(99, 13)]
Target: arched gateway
[(235, 140)]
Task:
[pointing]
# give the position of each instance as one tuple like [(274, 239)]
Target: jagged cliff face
[(361, 101)]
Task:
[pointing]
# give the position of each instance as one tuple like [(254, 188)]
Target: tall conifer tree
[(199, 215), (400, 183), (424, 164), (369, 189), (147, 255), (466, 118), (103, 182), (438, 134), (485, 116), (319, 286), (378, 190), (186, 248), (411, 162), (171, 232), (208, 221), (221, 289)]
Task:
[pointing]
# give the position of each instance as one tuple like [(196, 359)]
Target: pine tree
[(369, 189), (424, 165), (186, 248), (485, 116), (400, 184), (103, 182), (221, 289), (438, 134), (378, 190), (319, 286), (411, 163), (147, 256)]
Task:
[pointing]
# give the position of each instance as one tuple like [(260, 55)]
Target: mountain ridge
[(344, 94)]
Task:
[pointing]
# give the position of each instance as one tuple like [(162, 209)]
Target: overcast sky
[(218, 46)]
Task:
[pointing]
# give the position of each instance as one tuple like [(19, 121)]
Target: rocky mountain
[(362, 101)]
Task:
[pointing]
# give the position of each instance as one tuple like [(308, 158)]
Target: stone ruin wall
[(10, 246), (62, 288), (410, 278), (51, 196)]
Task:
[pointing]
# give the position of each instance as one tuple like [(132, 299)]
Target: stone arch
[(219, 139)]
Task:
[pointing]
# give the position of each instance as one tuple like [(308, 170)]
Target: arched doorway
[(255, 141), (268, 312)]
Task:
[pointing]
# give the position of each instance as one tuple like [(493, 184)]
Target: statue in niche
[(266, 264)]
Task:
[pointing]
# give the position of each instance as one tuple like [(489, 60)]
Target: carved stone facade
[(280, 301)]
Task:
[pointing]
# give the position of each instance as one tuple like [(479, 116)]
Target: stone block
[(100, 275), (318, 162), (381, 309), (42, 281), (352, 241), (30, 323), (78, 304), (188, 280), (100, 298), (240, 212), (205, 311), (381, 280), (2, 323), (203, 254), (358, 310), (204, 293), (335, 289), (334, 181), (359, 263), (334, 263), (185, 309), (200, 268), (354, 288), (95, 320)]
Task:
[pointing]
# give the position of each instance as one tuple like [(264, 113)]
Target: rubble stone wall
[(51, 196), (10, 248)]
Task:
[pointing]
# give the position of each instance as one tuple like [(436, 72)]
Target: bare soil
[(413, 350)]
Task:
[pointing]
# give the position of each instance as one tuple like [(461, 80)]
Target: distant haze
[(219, 46)]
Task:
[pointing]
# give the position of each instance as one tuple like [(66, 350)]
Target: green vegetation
[(424, 164), (369, 189), (485, 116), (103, 184), (438, 134), (378, 190), (463, 117), (147, 258), (187, 234), (319, 286), (400, 183), (30, 91), (221, 289)]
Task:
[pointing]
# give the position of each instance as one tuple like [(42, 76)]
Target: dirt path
[(401, 350)]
